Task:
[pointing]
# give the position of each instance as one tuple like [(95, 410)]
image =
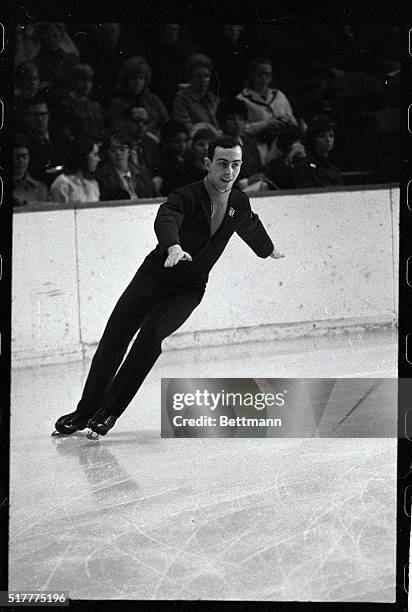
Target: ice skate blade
[(57, 434), (92, 435)]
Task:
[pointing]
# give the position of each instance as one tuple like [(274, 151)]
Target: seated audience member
[(195, 162), (173, 171), (78, 115), (105, 46), (47, 148), (27, 81), (269, 110), (145, 144), (77, 183), (25, 188), (168, 52), (27, 86), (120, 178), (53, 61), (134, 78), (232, 115), (229, 50), (196, 103), (27, 43), (281, 171), (316, 169)]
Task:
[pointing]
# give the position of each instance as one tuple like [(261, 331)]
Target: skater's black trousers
[(155, 309)]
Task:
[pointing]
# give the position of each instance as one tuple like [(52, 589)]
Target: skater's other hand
[(275, 255), (176, 254)]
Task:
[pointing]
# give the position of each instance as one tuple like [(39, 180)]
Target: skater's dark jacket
[(185, 219)]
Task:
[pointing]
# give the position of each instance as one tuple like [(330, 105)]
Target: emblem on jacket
[(231, 211)]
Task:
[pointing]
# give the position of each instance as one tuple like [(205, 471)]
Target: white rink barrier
[(340, 272)]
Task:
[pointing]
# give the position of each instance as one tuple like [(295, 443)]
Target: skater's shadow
[(109, 483)]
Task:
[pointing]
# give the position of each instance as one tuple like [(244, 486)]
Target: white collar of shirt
[(254, 95)]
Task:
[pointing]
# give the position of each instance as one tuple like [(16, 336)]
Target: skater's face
[(224, 168)]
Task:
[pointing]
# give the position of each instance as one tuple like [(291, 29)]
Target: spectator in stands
[(27, 86), (77, 183), (53, 61), (268, 108), (196, 103), (27, 43), (281, 171), (25, 188), (232, 115), (27, 81), (134, 79), (145, 144), (316, 169), (47, 148), (120, 178), (229, 51), (173, 171), (105, 47), (168, 53), (195, 162), (78, 115)]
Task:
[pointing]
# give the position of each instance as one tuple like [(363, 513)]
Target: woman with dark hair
[(76, 183), (134, 78), (317, 169), (196, 103)]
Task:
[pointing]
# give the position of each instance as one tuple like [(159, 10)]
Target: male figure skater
[(193, 228)]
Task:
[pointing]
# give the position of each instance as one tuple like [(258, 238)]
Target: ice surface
[(134, 516)]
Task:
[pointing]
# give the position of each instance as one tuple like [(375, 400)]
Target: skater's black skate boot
[(69, 423), (102, 421)]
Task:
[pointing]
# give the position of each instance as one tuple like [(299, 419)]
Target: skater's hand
[(275, 255), (176, 254)]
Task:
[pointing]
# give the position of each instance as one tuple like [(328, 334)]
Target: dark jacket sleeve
[(169, 219), (251, 230)]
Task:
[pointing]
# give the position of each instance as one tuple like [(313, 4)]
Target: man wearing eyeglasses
[(120, 178), (47, 149), (145, 144)]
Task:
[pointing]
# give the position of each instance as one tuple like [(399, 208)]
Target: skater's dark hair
[(226, 142)]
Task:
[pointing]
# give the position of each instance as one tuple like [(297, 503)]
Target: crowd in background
[(124, 111)]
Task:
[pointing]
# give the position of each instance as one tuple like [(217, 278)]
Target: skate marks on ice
[(212, 519)]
